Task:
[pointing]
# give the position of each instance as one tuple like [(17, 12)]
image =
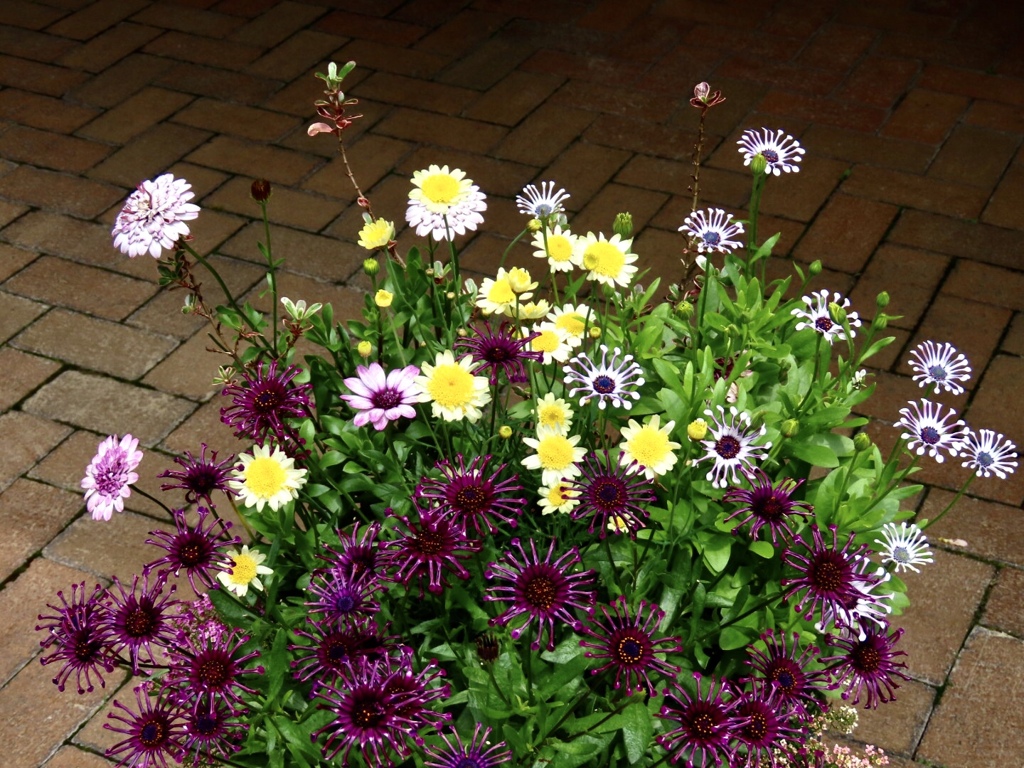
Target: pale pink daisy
[(154, 216), (381, 397), (109, 474)]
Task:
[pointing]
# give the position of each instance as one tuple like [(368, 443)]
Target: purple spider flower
[(866, 606), (76, 635), (767, 504), (472, 754), (703, 724), (211, 669), (381, 398), (416, 691), (502, 351), (200, 477), (137, 620), (426, 549), (333, 650), (761, 726), (357, 554), (262, 402), (867, 666), (783, 665), (211, 733), (109, 474), (614, 380), (541, 589), (196, 549), (338, 596), (472, 497), (155, 733), (628, 644), (611, 494)]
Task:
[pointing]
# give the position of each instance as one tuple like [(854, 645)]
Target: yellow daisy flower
[(574, 320), (534, 310), (267, 477), (496, 295), (648, 446), (452, 390), (551, 342), (558, 497), (556, 455), (553, 413), (520, 281), (607, 261), (376, 234), (245, 571), (561, 252)]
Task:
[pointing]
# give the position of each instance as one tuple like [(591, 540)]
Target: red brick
[(22, 374), (597, 97), (846, 232), (37, 46), (912, 191), (218, 83), (512, 99), (975, 156), (1013, 341), (134, 115), (801, 195), (885, 16), (43, 111), (786, 76), (879, 81), (254, 160), (836, 46), (1004, 209), (117, 42), (863, 148), (933, 50), (276, 24), (374, 56), (971, 240), (599, 214), (96, 18), (149, 154), (58, 191), (858, 117), (389, 88), (1003, 609), (1001, 287), (36, 77), (51, 150), (999, 117), (745, 15), (460, 34), (589, 68), (445, 131), (121, 80), (16, 312), (488, 63), (371, 158), (199, 22), (182, 46), (303, 52), (235, 119), (319, 256), (896, 726), (926, 116), (286, 206), (640, 136), (651, 37), (975, 85), (28, 15), (910, 277), (378, 29)]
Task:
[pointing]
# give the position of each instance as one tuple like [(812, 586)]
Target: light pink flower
[(154, 216), (109, 474), (379, 397)]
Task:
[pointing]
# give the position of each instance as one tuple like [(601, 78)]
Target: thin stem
[(698, 150), (352, 178), (961, 492), (755, 207), (153, 499), (272, 272)]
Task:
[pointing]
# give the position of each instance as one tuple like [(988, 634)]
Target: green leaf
[(637, 731), (732, 638), (818, 455), (716, 550), (277, 664), (763, 549)]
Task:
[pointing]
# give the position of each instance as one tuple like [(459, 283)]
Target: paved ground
[(911, 111)]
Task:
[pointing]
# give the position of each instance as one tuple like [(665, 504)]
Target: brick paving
[(911, 111)]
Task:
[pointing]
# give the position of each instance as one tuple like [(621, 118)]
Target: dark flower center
[(386, 398), (335, 650), (429, 543), (202, 479), (213, 672), (785, 678), (540, 592), (937, 372), (823, 324), (153, 734), (770, 155), (471, 499), (728, 447), (206, 725), (772, 508), (930, 435), (604, 385), (827, 573), (87, 648), (268, 399), (985, 459), (608, 493), (712, 238), (368, 715), (497, 354), (866, 658), (140, 622), (345, 601), (703, 725), (629, 649), (542, 210), (757, 727), (191, 553)]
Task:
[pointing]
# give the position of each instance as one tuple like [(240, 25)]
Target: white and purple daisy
[(989, 453), (444, 203), (614, 380), (380, 398), (153, 218), (543, 203), (780, 150), (929, 430), (731, 446), (941, 365), (818, 316), (713, 230), (905, 546), (109, 474)]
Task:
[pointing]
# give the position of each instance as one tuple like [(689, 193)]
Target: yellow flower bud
[(534, 225), (364, 348), (519, 280), (595, 332), (697, 429), (383, 298), (505, 431)]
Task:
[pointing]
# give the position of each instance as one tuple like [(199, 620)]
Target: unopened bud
[(505, 431), (534, 225), (861, 441), (790, 428), (364, 348), (759, 164), (880, 323), (371, 267), (383, 298), (882, 300), (623, 225), (260, 190), (190, 305), (701, 91), (487, 649), (815, 268), (837, 312), (595, 332), (684, 309), (697, 429)]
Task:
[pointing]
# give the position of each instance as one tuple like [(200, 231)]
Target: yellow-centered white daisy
[(552, 342), (534, 310), (553, 413), (560, 252), (574, 320), (376, 234), (607, 261), (452, 390), (555, 454), (520, 281), (649, 446), (558, 497), (245, 571), (496, 295), (267, 478), (438, 189)]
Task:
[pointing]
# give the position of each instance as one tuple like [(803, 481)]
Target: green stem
[(153, 499), (511, 245), (755, 208), (272, 272), (960, 493)]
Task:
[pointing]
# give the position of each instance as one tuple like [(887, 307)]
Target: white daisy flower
[(556, 455), (558, 497), (781, 151), (941, 365), (553, 413), (245, 571), (444, 202), (607, 261), (929, 430), (575, 320), (615, 379), (543, 203), (989, 453), (648, 447), (905, 546), (153, 217), (452, 390), (267, 477), (560, 249), (818, 316), (731, 446), (552, 342), (713, 231)]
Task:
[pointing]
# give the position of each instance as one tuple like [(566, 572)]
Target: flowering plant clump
[(553, 518)]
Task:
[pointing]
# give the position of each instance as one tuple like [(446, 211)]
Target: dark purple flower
[(829, 575), (703, 724), (196, 549), (211, 732), (76, 636), (867, 666), (612, 495), (502, 351), (137, 620), (414, 692), (762, 726), (767, 504), (200, 477), (211, 669), (628, 643), (540, 589), (473, 754), (154, 734), (333, 650), (472, 497), (339, 596), (426, 549), (355, 554), (784, 666), (262, 402)]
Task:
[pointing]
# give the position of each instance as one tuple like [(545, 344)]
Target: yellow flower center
[(604, 259), (548, 341), (571, 323), (519, 279), (554, 452), (558, 495), (451, 386), (265, 477), (501, 292), (441, 188), (550, 415), (559, 248), (243, 569), (649, 447)]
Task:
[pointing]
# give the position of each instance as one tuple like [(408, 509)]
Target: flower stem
[(153, 499), (961, 492), (271, 274)]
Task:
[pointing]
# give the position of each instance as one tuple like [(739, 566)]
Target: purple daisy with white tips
[(988, 453), (929, 430), (608, 492), (197, 549), (504, 351), (109, 474), (614, 380), (137, 620), (75, 638), (768, 504), (380, 398), (475, 753), (713, 230), (941, 365), (867, 666), (264, 399), (155, 733), (473, 496), (541, 589), (153, 217), (626, 643), (200, 477), (780, 150), (731, 446), (786, 668), (426, 549), (703, 729), (211, 668), (818, 316)]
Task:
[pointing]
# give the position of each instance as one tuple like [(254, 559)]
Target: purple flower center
[(828, 573), (712, 238), (152, 734), (629, 648), (471, 500), (770, 155), (140, 622), (213, 672), (192, 551), (368, 714), (937, 372), (866, 658), (757, 726), (540, 592), (345, 601), (787, 679), (386, 398), (268, 399), (985, 459), (772, 508), (728, 447), (202, 479), (87, 647), (206, 725), (609, 494), (930, 435), (604, 385), (429, 543), (703, 725), (823, 324), (334, 651), (497, 353), (112, 474)]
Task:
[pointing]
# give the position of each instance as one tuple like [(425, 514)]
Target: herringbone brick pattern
[(911, 111)]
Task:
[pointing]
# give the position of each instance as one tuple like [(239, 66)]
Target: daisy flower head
[(786, 667), (701, 726), (244, 571), (541, 203), (713, 230), (867, 666), (866, 604), (818, 316), (989, 453), (339, 595), (904, 546), (154, 734), (555, 454), (761, 726), (626, 641), (767, 504), (781, 152), (502, 351), (452, 390), (939, 364), (75, 638), (498, 295), (376, 234), (575, 320), (212, 732), (611, 493), (928, 430), (472, 494), (197, 549), (541, 588), (333, 649), (607, 261), (558, 246), (426, 549), (553, 413), (551, 342), (137, 619), (558, 497), (614, 380), (264, 399), (731, 446), (211, 668), (380, 398), (647, 447), (444, 202), (109, 474), (153, 218), (533, 310), (475, 753), (200, 477), (267, 478)]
